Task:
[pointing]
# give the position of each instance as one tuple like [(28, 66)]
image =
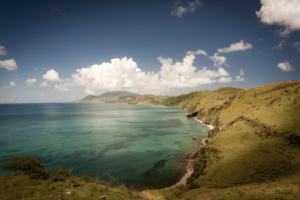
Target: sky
[(60, 51)]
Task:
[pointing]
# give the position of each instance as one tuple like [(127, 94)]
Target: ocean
[(140, 145)]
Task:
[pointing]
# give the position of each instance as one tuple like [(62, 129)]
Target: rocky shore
[(191, 159)]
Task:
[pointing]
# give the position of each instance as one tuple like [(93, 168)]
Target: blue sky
[(59, 51)]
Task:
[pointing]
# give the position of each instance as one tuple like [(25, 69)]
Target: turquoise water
[(140, 145)]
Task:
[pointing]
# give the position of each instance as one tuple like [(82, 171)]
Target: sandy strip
[(190, 166), (191, 159), (209, 126)]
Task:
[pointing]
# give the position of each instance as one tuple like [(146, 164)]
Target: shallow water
[(141, 145)]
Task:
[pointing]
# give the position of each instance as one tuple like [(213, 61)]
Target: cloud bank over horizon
[(124, 74)]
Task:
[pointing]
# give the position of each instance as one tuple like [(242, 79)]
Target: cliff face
[(254, 150)]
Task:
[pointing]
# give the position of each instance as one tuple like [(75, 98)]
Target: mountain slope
[(148, 99), (110, 97), (256, 155)]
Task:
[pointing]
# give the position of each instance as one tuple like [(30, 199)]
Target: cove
[(140, 145)]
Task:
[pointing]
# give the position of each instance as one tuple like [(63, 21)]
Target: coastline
[(191, 159)]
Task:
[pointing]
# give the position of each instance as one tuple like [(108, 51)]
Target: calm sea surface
[(141, 145)]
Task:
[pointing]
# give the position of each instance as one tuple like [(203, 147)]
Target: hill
[(148, 99), (110, 97), (253, 152)]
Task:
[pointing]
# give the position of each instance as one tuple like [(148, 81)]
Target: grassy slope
[(257, 155), (148, 99), (22, 187), (110, 97)]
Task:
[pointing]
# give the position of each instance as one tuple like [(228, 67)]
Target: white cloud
[(281, 12), (42, 95), (194, 4), (218, 60), (44, 84), (229, 79), (3, 51), (11, 85), (225, 79), (198, 52), (297, 45), (260, 39), (123, 74), (240, 77), (30, 82), (179, 11), (9, 65), (239, 46), (285, 66), (51, 75), (65, 84), (279, 46)]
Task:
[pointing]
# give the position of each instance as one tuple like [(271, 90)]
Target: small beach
[(191, 159)]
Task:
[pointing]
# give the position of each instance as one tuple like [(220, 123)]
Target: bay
[(140, 145)]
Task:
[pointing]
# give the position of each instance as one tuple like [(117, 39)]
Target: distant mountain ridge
[(110, 97)]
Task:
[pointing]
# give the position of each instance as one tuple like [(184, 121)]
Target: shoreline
[(192, 158)]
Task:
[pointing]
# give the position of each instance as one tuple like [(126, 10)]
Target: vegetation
[(110, 97), (148, 99), (28, 166), (22, 187), (253, 152), (60, 184), (63, 172)]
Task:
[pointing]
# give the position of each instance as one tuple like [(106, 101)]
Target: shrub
[(28, 166), (85, 177), (194, 185), (59, 171)]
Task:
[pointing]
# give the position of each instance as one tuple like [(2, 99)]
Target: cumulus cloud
[(44, 84), (285, 13), (30, 82), (240, 77), (3, 51), (11, 85), (9, 65), (225, 79), (198, 52), (229, 79), (192, 6), (218, 60), (239, 46), (51, 75), (65, 84), (285, 66), (279, 46), (296, 45), (124, 74), (179, 11)]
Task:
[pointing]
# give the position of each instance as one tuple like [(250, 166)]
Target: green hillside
[(148, 99), (256, 155), (110, 97), (252, 153)]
